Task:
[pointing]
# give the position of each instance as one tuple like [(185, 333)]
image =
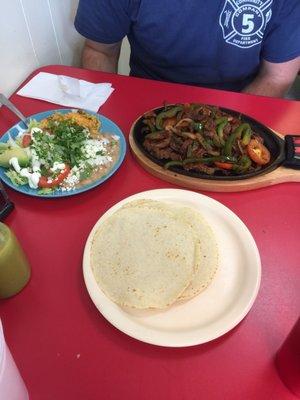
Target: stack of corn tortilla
[(151, 254)]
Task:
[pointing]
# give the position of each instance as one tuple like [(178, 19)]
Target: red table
[(63, 346)]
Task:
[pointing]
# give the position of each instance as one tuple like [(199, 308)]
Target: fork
[(4, 100)]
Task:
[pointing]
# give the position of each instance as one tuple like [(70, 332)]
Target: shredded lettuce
[(16, 178), (11, 142), (33, 123), (18, 141)]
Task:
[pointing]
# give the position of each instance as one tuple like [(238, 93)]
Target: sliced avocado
[(3, 147), (18, 152)]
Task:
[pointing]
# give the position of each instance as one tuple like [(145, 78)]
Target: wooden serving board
[(279, 175)]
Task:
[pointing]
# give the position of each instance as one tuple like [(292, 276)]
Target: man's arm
[(100, 56), (274, 79)]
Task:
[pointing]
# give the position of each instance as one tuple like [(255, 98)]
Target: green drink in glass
[(14, 266)]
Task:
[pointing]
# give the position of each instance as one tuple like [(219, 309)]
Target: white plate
[(213, 312)]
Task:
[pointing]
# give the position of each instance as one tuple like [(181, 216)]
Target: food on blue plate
[(150, 254), (60, 153), (204, 139)]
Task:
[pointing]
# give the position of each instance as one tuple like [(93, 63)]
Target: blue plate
[(107, 126)]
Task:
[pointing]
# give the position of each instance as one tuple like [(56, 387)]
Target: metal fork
[(4, 100)]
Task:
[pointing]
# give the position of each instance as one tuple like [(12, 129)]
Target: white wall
[(123, 67), (34, 33)]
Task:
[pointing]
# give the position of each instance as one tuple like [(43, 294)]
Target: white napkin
[(67, 91)]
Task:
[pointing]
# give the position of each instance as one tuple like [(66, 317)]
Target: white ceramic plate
[(213, 312)]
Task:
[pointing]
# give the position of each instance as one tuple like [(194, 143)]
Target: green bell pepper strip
[(173, 163), (244, 130), (243, 164), (166, 114), (220, 128), (246, 135), (220, 120), (220, 124)]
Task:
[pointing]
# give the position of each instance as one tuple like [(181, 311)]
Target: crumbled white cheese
[(93, 146), (58, 166), (96, 153), (70, 181), (100, 160)]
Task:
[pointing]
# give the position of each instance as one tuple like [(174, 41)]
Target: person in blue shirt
[(241, 45)]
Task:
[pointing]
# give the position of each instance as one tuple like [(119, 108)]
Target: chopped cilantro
[(64, 143), (86, 172)]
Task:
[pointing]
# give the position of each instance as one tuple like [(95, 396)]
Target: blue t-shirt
[(217, 43)]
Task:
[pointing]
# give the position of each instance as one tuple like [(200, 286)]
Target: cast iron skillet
[(282, 150)]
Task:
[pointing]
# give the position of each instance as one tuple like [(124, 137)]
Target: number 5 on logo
[(248, 24), (243, 25)]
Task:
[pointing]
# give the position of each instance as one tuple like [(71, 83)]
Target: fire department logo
[(243, 22)]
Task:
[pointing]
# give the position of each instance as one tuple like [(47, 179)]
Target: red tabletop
[(63, 346)]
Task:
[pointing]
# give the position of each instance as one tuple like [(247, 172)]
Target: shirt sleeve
[(283, 40), (103, 21)]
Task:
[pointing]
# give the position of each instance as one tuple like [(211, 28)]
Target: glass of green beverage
[(14, 266)]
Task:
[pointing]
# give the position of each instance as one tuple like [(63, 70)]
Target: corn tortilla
[(143, 257), (206, 252)]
